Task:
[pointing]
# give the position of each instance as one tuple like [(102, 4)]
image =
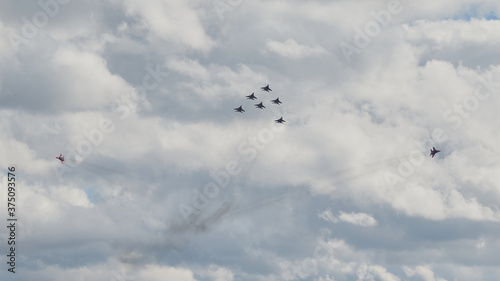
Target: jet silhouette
[(434, 151), (260, 105), (280, 120), (266, 88), (276, 101), (251, 97), (61, 158), (239, 109)]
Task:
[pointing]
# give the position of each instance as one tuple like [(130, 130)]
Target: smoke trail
[(102, 168), (338, 177), (282, 196), (96, 169), (347, 175)]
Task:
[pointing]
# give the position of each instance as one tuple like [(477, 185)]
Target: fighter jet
[(251, 97), (61, 158), (260, 105), (434, 151), (280, 120), (266, 88), (239, 109), (276, 101)]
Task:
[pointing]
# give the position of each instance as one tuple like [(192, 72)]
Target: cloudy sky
[(164, 181)]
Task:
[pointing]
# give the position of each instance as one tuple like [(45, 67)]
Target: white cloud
[(71, 196), (217, 273), (481, 244), (326, 278), (172, 21), (423, 271), (157, 273), (190, 68), (369, 272), (431, 204), (110, 270), (328, 216), (86, 79), (453, 34), (215, 83), (291, 49), (360, 219), (8, 40)]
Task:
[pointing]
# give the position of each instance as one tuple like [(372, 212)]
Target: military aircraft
[(61, 157), (260, 105), (434, 151), (239, 109), (276, 101), (266, 88), (280, 120), (251, 97)]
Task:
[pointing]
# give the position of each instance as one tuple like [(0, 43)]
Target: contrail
[(102, 168), (349, 174), (96, 169), (339, 177), (280, 197)]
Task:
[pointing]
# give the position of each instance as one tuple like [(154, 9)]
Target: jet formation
[(261, 104), (281, 120)]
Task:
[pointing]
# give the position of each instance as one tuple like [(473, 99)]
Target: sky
[(163, 180)]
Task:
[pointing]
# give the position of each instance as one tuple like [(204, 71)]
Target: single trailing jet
[(280, 120), (251, 97), (434, 151), (61, 157), (276, 101), (239, 109), (266, 88), (260, 105)]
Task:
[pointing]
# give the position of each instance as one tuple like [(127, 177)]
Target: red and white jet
[(61, 157), (434, 151)]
